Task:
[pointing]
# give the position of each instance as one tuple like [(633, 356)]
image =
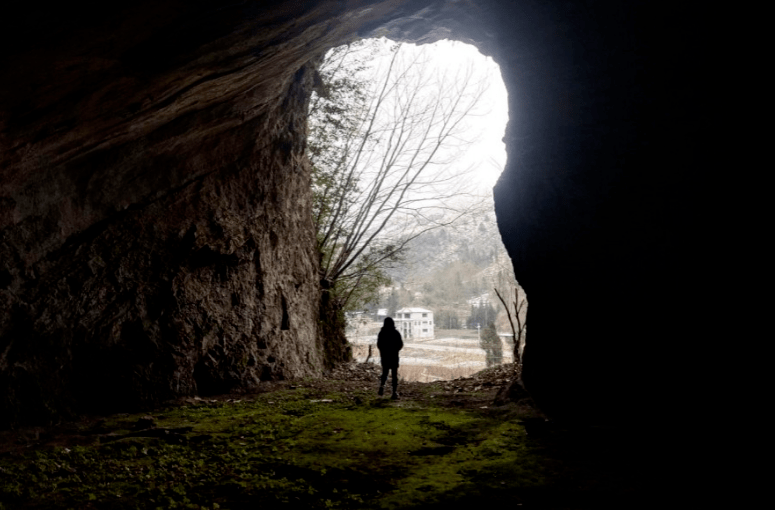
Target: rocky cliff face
[(154, 200), (169, 274), (156, 235)]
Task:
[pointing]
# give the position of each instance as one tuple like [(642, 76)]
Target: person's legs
[(395, 382), (382, 380)]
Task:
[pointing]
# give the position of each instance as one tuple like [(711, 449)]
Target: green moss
[(294, 446)]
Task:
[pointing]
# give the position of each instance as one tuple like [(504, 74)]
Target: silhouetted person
[(389, 342)]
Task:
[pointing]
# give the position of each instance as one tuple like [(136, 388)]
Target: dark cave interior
[(154, 197)]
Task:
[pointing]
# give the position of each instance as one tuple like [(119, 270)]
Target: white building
[(414, 323)]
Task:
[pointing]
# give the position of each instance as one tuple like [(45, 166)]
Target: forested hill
[(449, 267), (453, 271), (473, 241)]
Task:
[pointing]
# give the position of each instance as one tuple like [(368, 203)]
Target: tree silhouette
[(491, 343)]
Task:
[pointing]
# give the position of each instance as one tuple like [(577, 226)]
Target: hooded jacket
[(389, 342)]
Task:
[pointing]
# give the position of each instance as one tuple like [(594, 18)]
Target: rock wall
[(204, 282), (600, 206), (154, 194), (155, 206)]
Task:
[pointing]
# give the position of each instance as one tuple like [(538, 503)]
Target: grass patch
[(302, 447)]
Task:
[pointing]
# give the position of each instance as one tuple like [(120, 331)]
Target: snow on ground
[(442, 348), (456, 342), (450, 356), (432, 362), (370, 339)]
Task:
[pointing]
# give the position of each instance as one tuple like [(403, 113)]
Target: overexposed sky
[(488, 154)]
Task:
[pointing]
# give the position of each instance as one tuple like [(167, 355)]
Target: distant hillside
[(452, 269), (475, 240)]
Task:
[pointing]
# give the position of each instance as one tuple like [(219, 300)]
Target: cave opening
[(406, 144), (155, 233), (128, 155)]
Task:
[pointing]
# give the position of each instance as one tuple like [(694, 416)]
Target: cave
[(155, 238)]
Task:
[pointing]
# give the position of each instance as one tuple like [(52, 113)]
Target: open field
[(451, 354)]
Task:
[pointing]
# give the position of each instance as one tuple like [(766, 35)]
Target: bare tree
[(519, 308), (383, 143)]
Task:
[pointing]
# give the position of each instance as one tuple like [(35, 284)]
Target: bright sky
[(488, 154)]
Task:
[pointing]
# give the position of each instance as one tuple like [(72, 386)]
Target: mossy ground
[(317, 445)]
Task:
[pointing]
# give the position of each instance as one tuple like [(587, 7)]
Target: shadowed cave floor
[(329, 443)]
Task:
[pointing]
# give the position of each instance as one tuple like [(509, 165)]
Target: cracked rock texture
[(155, 235)]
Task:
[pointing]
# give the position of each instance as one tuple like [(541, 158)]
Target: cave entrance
[(406, 144)]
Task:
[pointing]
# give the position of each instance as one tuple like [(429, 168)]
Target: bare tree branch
[(384, 157)]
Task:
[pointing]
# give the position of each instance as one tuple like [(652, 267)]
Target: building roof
[(413, 310)]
